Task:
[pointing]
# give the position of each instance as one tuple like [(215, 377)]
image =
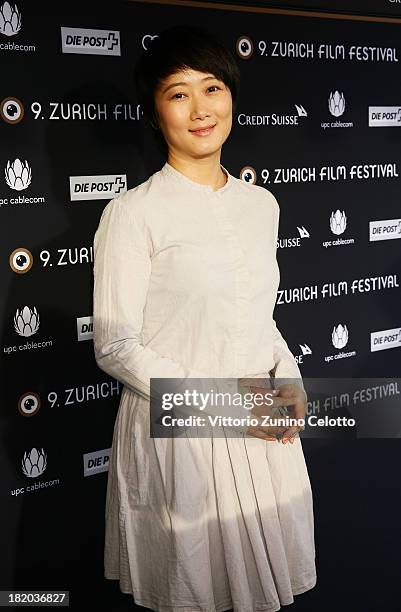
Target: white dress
[(185, 283)]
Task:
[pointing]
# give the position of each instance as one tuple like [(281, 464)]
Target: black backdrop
[(57, 407)]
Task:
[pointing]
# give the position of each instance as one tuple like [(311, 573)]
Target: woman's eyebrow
[(211, 78)]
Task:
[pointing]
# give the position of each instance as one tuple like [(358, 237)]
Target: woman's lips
[(203, 132)]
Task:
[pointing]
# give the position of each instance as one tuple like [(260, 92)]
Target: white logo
[(339, 337), (147, 40), (306, 350), (34, 463), (94, 42), (336, 103), (18, 174), (385, 339), (97, 187), (384, 116), (293, 241), (386, 229), (301, 111), (338, 222), (272, 119), (303, 232), (84, 328), (96, 462), (10, 20), (26, 321)]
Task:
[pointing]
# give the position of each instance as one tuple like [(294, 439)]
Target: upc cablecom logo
[(34, 463), (93, 42), (18, 174), (10, 19)]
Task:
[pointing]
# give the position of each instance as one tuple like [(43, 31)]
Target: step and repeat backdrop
[(317, 123)]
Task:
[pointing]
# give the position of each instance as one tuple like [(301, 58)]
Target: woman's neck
[(209, 173)]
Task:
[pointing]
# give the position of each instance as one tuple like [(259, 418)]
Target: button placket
[(241, 285)]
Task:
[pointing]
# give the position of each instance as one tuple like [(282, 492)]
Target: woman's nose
[(198, 107)]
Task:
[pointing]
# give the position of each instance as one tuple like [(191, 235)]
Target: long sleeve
[(122, 271), (286, 366)]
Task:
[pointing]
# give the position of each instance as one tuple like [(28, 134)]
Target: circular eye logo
[(29, 404), (244, 47), (248, 174), (11, 110), (21, 260)]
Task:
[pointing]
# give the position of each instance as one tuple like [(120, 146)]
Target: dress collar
[(169, 171)]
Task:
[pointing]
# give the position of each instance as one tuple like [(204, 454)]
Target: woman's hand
[(299, 401), (285, 395), (267, 404)]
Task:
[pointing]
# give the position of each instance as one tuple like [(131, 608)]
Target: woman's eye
[(181, 94)]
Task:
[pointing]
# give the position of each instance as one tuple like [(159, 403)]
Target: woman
[(186, 279)]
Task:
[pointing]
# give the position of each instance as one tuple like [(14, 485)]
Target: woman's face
[(189, 100)]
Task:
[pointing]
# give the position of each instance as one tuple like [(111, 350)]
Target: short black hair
[(178, 48)]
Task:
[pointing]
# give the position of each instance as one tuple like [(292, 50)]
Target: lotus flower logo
[(336, 103), (339, 336), (26, 321), (338, 222), (18, 175), (10, 20), (34, 463)]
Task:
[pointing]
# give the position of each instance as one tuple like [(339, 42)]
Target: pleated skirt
[(206, 524)]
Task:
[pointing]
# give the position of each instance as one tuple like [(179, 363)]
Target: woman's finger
[(257, 433), (291, 431)]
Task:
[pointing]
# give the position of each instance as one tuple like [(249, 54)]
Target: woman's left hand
[(298, 410)]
